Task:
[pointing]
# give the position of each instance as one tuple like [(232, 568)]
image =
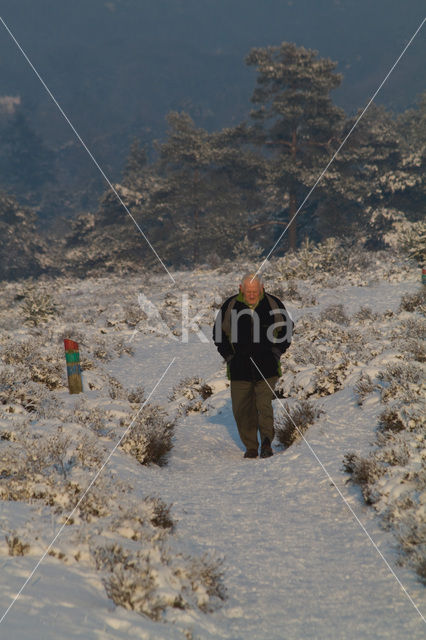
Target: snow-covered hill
[(211, 545)]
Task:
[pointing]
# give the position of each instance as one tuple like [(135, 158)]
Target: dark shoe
[(251, 453), (266, 449)]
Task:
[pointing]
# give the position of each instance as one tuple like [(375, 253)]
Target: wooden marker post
[(72, 356)]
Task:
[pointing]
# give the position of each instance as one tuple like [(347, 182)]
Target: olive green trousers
[(252, 409)]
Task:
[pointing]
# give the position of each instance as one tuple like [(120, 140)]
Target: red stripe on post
[(70, 345)]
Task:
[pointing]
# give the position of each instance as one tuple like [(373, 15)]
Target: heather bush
[(40, 467), (121, 347), (414, 301), (136, 395), (191, 394), (329, 379), (363, 387), (365, 314), (132, 582), (294, 422), (415, 349), (16, 545), (149, 439), (38, 306), (401, 380), (159, 513), (116, 389), (133, 315), (101, 350), (36, 362), (335, 313), (365, 471)]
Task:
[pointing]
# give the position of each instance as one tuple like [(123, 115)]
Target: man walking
[(252, 330)]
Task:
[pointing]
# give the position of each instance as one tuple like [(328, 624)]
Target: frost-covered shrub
[(401, 379), (191, 394), (246, 251), (89, 453), (40, 467), (363, 387), (38, 306), (108, 556), (390, 420), (414, 301), (102, 351), (208, 572), (159, 513), (95, 503), (134, 314), (293, 422), (411, 237), (329, 379), (365, 314), (133, 587), (36, 361), (149, 439), (16, 545), (364, 471), (122, 346), (415, 350), (133, 580), (400, 417), (94, 419), (116, 389), (335, 313), (136, 395)]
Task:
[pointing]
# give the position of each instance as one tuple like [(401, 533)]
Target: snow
[(296, 562)]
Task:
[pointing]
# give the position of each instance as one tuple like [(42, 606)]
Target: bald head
[(251, 287)]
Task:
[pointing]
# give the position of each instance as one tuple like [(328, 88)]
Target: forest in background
[(202, 196)]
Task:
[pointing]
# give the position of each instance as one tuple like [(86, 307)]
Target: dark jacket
[(240, 336)]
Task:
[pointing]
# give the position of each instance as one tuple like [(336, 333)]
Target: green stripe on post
[(72, 357)]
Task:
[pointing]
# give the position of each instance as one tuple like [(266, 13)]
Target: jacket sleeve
[(220, 339), (284, 332)]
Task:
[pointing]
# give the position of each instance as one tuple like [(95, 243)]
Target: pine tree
[(23, 253), (207, 190), (375, 179), (296, 119), (26, 164)]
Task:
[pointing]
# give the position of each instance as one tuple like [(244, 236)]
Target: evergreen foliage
[(295, 118), (22, 250)]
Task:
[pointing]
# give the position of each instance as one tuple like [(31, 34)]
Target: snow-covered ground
[(296, 563)]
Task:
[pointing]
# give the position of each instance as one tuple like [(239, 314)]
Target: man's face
[(251, 290)]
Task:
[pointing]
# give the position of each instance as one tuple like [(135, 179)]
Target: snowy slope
[(296, 563)]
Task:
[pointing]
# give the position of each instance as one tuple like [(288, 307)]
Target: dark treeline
[(197, 194)]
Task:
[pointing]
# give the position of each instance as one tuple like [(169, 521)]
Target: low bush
[(335, 313), (132, 580), (414, 301), (38, 306), (294, 422), (191, 394), (149, 439), (364, 472), (363, 387), (15, 544), (365, 314)]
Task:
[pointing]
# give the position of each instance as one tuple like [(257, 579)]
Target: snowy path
[(297, 565)]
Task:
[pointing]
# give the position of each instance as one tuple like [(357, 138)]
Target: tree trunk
[(196, 238), (293, 208), (196, 252), (292, 228)]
